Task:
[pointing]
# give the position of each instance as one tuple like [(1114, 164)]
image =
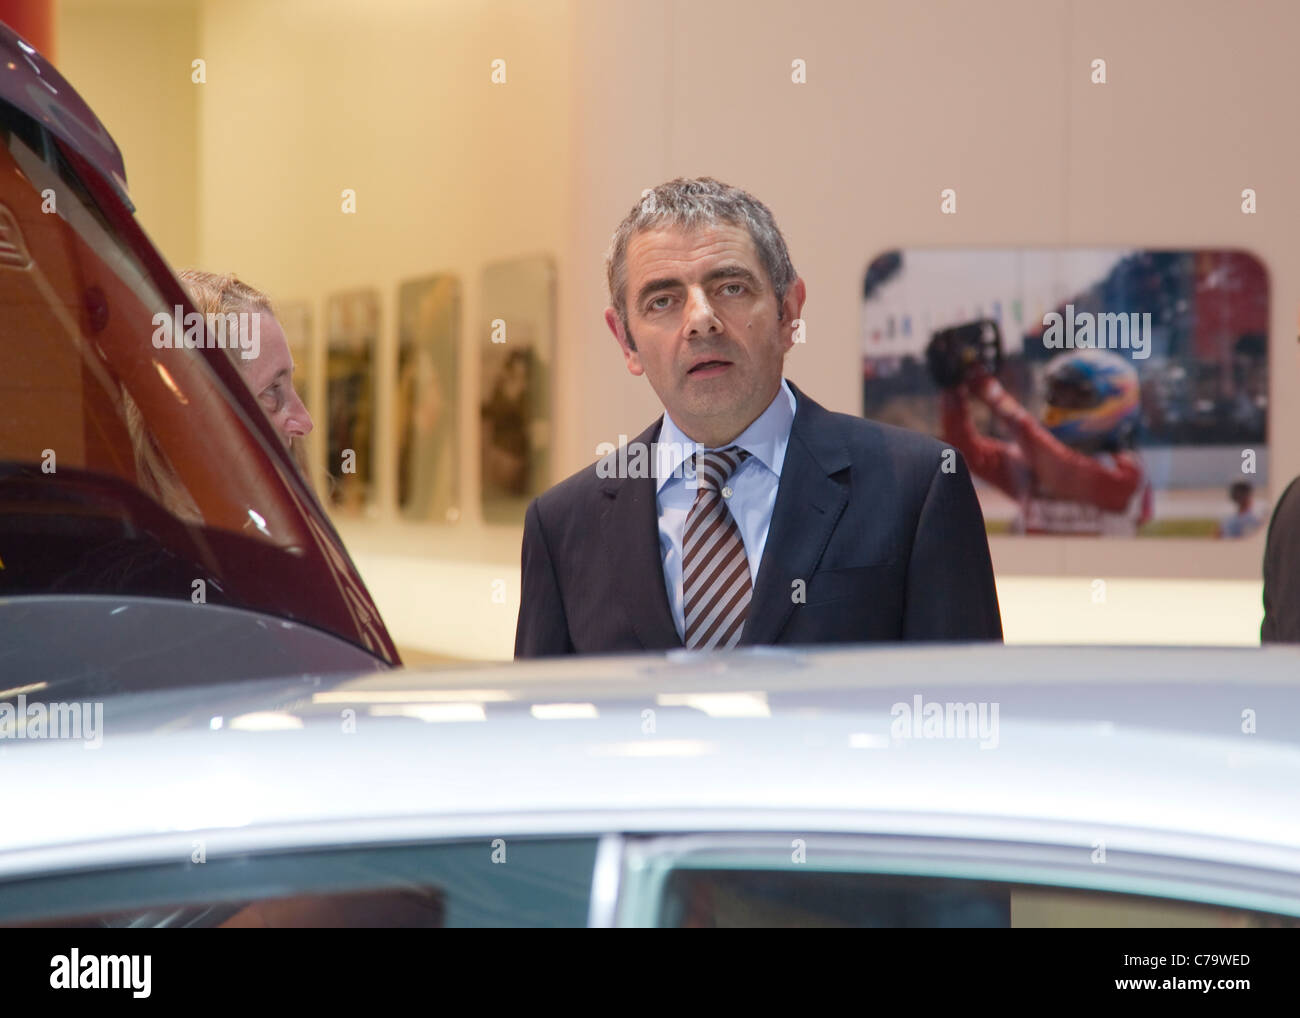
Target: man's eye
[(734, 289), (658, 303), (272, 398)]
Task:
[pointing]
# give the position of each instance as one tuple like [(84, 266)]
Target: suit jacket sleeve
[(543, 628), (1282, 571), (950, 590)]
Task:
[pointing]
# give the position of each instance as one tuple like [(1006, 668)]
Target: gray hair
[(691, 203)]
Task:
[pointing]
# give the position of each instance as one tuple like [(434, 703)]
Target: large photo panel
[(1092, 392), (517, 351), (351, 344), (428, 399)]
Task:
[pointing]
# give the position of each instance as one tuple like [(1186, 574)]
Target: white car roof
[(1190, 751)]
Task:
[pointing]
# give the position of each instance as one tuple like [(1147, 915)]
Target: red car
[(153, 529)]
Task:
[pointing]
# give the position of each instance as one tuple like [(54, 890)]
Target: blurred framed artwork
[(517, 355), (352, 338), (428, 404), (1091, 392)]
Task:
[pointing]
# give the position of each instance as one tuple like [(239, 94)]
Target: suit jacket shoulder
[(876, 535), (592, 580), (906, 461), (577, 495), (867, 438)]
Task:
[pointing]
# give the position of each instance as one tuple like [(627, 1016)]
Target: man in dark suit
[(747, 514), (1282, 571)]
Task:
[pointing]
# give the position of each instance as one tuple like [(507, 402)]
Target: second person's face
[(270, 376)]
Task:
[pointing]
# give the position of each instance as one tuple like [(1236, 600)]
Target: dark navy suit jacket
[(882, 528), (1281, 571)]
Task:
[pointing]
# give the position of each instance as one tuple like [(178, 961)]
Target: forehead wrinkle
[(678, 243)]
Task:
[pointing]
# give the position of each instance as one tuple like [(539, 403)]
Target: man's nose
[(298, 423), (700, 316)]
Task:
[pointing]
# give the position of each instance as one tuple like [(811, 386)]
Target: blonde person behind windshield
[(269, 369), (266, 367)]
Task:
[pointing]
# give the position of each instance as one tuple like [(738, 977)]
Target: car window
[(734, 880), (127, 465), (482, 882), (808, 898)]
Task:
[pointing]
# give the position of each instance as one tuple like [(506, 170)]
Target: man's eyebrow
[(654, 286), (732, 271)]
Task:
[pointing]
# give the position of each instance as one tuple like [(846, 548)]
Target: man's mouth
[(709, 368)]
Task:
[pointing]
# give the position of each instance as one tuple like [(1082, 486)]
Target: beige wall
[(394, 101), (130, 61), (903, 98)]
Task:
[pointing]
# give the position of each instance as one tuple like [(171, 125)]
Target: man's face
[(270, 376), (708, 332)]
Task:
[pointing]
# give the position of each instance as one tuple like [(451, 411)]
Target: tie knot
[(713, 468)]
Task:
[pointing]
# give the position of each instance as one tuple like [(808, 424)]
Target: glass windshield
[(130, 461)]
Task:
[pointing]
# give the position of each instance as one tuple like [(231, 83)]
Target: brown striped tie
[(716, 587)]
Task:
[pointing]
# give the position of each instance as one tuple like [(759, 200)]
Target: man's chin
[(708, 421), (298, 453)]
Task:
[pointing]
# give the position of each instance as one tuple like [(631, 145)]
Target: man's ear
[(624, 341), (792, 309)]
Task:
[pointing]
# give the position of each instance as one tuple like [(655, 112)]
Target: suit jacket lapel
[(809, 503), (629, 524)]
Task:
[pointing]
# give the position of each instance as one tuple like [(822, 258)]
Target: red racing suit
[(1060, 490)]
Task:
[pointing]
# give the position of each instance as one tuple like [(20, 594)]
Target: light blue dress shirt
[(753, 487)]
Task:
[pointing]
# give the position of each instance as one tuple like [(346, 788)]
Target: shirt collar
[(766, 439)]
